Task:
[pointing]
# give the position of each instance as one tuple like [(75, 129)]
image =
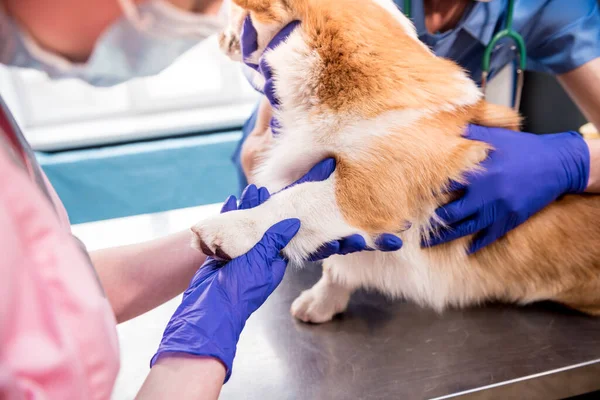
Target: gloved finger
[(275, 126), (209, 268), (249, 198), (249, 41), (355, 243), (387, 242), (278, 268), (477, 132), (254, 78), (263, 195), (265, 69), (274, 240), (269, 91), (347, 245), (282, 34), (456, 231), (325, 251), (352, 244), (320, 172), (229, 205), (456, 211), (486, 237), (454, 186)]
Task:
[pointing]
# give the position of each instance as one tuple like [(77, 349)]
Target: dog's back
[(356, 83)]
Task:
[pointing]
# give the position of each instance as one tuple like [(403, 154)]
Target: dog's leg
[(289, 158), (232, 234), (325, 299)]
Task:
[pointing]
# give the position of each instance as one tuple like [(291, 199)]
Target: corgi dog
[(355, 83)]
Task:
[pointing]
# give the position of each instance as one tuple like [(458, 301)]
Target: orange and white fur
[(356, 84)]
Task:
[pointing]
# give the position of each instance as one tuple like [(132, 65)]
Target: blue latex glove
[(222, 296), (523, 174), (249, 45)]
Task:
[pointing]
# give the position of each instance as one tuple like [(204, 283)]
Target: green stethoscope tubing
[(507, 32)]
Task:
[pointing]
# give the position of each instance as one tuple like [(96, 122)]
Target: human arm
[(564, 41), (522, 175), (594, 180), (519, 203), (54, 320), (140, 277), (583, 85), (182, 376), (536, 170), (221, 297)]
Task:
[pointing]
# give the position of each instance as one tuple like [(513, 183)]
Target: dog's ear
[(266, 11), (255, 5)]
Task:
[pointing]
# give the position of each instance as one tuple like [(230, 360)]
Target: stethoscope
[(518, 46)]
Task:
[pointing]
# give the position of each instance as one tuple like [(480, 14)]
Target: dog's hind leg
[(325, 299)]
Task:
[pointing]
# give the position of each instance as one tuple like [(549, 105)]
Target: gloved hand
[(522, 175), (221, 297), (249, 45)]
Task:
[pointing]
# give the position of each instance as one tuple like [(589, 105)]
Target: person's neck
[(207, 7), (443, 15)]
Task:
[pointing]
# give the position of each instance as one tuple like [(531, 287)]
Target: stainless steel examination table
[(393, 350), (381, 349)]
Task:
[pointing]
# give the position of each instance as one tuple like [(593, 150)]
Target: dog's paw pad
[(225, 237)]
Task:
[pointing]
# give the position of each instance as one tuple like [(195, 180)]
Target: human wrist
[(574, 156), (593, 185), (206, 7), (183, 376), (180, 360), (217, 339), (167, 356)]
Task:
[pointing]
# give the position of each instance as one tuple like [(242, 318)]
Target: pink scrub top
[(57, 329)]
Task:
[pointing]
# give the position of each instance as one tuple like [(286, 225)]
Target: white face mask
[(147, 39)]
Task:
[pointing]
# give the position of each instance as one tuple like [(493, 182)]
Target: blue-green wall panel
[(139, 178)]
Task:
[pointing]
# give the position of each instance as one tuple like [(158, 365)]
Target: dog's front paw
[(312, 306), (229, 43), (226, 236)]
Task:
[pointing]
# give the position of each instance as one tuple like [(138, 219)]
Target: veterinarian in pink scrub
[(526, 172), (59, 304)]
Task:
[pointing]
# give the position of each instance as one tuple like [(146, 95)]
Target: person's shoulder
[(25, 209), (560, 35), (13, 236), (557, 14)]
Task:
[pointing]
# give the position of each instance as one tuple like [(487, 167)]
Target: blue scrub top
[(560, 35)]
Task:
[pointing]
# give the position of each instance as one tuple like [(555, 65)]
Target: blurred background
[(148, 145), (156, 144)]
